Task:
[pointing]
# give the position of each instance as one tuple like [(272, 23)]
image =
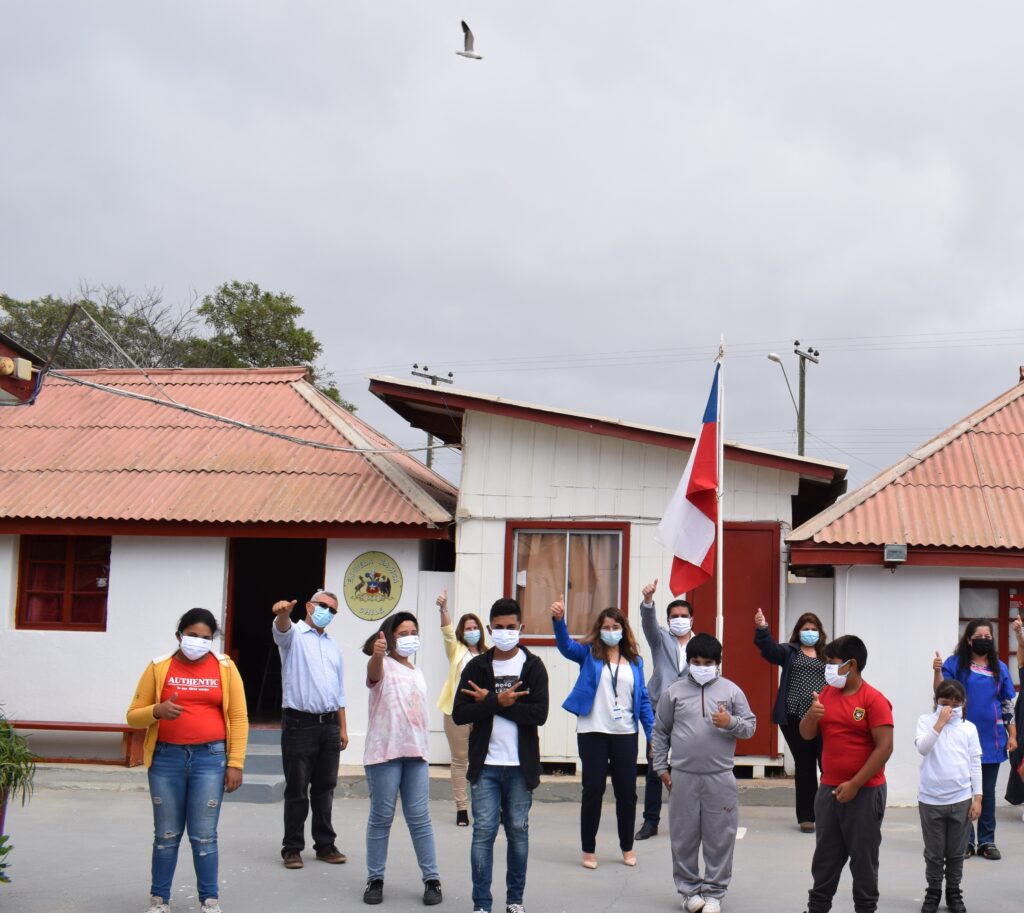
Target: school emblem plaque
[(373, 586), (859, 713)]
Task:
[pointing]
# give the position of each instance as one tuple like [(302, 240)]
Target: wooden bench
[(132, 740)]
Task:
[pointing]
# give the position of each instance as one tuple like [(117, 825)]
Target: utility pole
[(434, 380), (801, 413)]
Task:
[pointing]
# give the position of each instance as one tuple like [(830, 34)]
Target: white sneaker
[(515, 908), (712, 905), (211, 905), (157, 905), (694, 903)]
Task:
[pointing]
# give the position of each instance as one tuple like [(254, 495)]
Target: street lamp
[(805, 355)]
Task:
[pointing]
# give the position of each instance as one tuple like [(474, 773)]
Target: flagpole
[(719, 543)]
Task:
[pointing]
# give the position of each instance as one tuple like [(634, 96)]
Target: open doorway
[(261, 571)]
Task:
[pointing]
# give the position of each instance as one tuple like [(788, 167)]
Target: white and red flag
[(690, 523)]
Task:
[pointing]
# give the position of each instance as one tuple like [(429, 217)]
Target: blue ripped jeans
[(186, 784)]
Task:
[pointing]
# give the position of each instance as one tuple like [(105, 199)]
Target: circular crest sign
[(373, 586)]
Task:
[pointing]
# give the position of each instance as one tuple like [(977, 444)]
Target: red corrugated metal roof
[(82, 453), (963, 489)]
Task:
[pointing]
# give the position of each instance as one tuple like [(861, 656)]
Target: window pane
[(90, 577), (46, 548), (978, 602), (46, 577), (42, 609), (88, 609), (92, 548), (540, 577), (593, 578)]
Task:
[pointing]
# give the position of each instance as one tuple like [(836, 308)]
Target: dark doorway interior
[(263, 571)]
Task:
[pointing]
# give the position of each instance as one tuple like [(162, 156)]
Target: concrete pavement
[(87, 851)]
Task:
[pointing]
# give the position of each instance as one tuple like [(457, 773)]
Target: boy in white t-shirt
[(503, 692), (949, 798)]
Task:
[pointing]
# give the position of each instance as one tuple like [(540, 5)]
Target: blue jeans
[(500, 792), (186, 784), (407, 777), (987, 821)]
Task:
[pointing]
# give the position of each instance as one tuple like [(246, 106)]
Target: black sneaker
[(649, 829), (932, 896), (462, 818), (955, 899), (432, 893), (374, 892), (989, 851)]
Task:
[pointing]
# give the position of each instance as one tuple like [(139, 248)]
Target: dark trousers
[(310, 753), (945, 829), (847, 831), (600, 754), (652, 793), (987, 821), (807, 761)]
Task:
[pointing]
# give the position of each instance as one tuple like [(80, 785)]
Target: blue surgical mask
[(610, 638), (322, 617), (471, 637), (809, 638)]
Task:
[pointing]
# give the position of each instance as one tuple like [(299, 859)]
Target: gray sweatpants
[(945, 829), (703, 812), (847, 831)]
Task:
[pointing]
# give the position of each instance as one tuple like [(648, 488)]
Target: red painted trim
[(67, 597), (917, 556), (37, 527), (543, 640), (456, 403)]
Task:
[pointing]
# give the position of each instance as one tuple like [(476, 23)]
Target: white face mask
[(407, 645), (833, 677), (505, 639), (957, 713), (703, 675), (195, 647), (680, 627)]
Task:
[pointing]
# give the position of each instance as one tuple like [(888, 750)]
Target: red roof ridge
[(884, 479), (255, 373)]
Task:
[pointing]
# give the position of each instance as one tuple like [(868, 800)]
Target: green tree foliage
[(238, 326)]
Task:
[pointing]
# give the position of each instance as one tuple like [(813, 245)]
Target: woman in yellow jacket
[(192, 705), (461, 644)]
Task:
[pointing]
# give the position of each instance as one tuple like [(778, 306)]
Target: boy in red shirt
[(855, 722)]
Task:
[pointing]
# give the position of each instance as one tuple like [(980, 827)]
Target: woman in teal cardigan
[(611, 707)]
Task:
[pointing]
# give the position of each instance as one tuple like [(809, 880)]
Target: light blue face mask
[(322, 617), (472, 636), (610, 638), (809, 638)]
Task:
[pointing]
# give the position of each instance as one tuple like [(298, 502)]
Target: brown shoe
[(807, 827), (331, 855), (292, 860)]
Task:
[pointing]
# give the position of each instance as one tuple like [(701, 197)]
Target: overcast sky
[(575, 219)]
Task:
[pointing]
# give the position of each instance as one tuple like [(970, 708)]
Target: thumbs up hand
[(168, 710), (380, 645), (759, 619), (648, 591), (817, 709), (937, 662), (558, 608), (284, 607), (721, 719)]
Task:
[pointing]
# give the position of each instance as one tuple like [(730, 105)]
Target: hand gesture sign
[(475, 691), (284, 607), (380, 645), (817, 708), (168, 710), (721, 718), (1018, 628), (648, 591), (937, 662), (759, 619), (558, 608), (442, 600), (508, 697)]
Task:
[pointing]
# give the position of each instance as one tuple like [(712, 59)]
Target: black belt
[(331, 716)]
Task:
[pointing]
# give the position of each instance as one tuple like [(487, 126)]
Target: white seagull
[(467, 51)]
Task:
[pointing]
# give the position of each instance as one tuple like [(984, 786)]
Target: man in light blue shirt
[(313, 727)]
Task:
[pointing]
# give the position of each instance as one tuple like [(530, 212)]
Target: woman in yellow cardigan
[(461, 644), (192, 705)]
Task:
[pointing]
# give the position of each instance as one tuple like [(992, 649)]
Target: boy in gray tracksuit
[(699, 719)]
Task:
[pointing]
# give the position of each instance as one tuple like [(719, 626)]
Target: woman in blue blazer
[(611, 702)]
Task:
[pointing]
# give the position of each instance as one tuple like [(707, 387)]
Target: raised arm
[(566, 645), (649, 617), (375, 667), (764, 641), (447, 629)]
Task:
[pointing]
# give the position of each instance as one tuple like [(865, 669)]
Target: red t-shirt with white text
[(846, 732), (201, 695)]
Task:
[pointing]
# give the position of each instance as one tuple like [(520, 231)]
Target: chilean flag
[(691, 518)]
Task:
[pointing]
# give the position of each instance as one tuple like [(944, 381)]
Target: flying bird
[(467, 51)]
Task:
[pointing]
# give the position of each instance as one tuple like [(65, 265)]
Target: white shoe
[(515, 908), (157, 905), (712, 905), (211, 905), (694, 903)]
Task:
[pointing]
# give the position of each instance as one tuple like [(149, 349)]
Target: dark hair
[(848, 647), (950, 688), (460, 629), (819, 647), (964, 649), (627, 646), (506, 606), (388, 627), (704, 646), (678, 602), (197, 617)]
